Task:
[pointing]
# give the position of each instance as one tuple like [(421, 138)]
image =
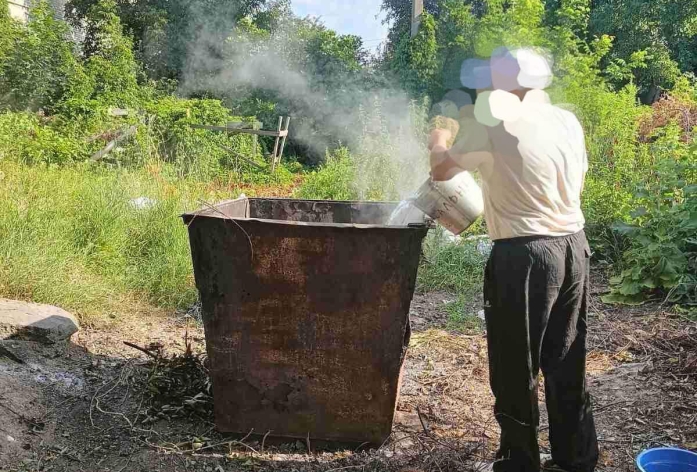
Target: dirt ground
[(86, 407)]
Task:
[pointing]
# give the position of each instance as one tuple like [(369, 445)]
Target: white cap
[(535, 70), (520, 68)]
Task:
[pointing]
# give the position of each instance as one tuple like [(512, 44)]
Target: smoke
[(379, 123)]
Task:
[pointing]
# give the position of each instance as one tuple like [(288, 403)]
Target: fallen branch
[(142, 349), (238, 156), (112, 144)]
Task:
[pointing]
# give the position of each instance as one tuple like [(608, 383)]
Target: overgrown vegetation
[(103, 238), (96, 241), (453, 267), (662, 255), (601, 78), (70, 233)]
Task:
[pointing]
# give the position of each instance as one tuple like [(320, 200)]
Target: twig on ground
[(142, 349), (421, 420), (263, 441), (94, 402)]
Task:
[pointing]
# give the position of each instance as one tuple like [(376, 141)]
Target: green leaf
[(616, 280), (691, 222), (649, 283), (624, 228), (630, 288)]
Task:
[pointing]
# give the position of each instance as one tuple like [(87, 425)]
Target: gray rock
[(33, 322)]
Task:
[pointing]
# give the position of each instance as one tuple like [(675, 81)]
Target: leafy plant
[(39, 67), (662, 259), (332, 181)]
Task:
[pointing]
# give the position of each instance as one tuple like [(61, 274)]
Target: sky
[(359, 17)]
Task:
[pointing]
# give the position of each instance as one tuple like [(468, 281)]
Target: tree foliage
[(163, 30), (108, 55), (654, 42), (32, 78), (664, 30)]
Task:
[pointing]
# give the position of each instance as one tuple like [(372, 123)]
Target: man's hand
[(439, 138)]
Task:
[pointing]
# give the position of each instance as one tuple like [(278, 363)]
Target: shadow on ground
[(85, 406)]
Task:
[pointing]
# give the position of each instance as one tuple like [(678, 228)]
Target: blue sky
[(347, 17)]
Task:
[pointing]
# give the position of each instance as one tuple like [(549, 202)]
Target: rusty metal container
[(306, 314)]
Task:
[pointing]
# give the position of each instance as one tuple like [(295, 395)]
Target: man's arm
[(443, 167), (447, 163)]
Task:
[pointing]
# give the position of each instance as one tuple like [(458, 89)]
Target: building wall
[(19, 10)]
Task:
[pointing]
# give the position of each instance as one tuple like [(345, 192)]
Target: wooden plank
[(112, 144), (257, 132), (244, 125), (283, 142), (275, 147)]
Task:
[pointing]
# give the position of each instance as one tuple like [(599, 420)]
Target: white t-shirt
[(533, 165)]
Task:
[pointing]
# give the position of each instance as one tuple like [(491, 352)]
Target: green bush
[(662, 255), (333, 181), (26, 138), (109, 59), (38, 63), (203, 154)]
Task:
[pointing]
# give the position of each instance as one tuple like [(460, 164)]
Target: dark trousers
[(536, 304)]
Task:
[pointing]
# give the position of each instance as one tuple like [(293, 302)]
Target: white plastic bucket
[(455, 204)]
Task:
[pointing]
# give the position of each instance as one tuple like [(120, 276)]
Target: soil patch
[(90, 406)]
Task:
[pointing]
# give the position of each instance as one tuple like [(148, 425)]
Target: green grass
[(462, 317), (456, 268), (70, 237)]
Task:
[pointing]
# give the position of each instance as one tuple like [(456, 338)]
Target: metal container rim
[(210, 212)]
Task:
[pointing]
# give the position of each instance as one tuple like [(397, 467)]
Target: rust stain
[(306, 324)]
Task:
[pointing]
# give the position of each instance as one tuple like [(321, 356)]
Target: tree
[(8, 32), (415, 60), (163, 31), (457, 30), (666, 30), (108, 55), (39, 68)]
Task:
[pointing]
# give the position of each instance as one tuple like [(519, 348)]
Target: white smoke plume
[(380, 124)]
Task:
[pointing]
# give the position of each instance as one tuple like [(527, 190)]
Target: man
[(532, 160)]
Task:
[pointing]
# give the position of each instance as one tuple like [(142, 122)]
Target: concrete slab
[(33, 322)]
